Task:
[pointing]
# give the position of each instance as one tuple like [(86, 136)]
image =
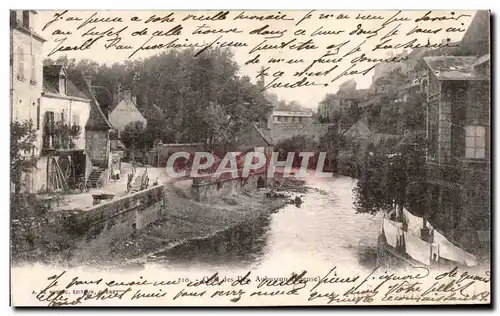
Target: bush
[(22, 138), (38, 234)]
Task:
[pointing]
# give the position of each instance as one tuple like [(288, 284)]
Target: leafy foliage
[(75, 131), (62, 133), (202, 97), (296, 143), (388, 179), (134, 136), (22, 139)]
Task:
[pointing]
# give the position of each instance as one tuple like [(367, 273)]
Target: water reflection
[(367, 256), (325, 229), (238, 246)]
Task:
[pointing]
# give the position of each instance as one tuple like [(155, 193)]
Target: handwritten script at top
[(417, 286), (294, 49)]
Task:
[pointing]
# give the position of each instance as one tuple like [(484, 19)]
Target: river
[(323, 231)]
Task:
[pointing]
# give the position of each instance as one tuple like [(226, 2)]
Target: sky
[(282, 27)]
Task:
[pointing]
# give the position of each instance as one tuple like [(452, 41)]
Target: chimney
[(88, 80), (127, 95), (365, 117), (261, 83)]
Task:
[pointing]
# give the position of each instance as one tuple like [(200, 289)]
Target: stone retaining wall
[(134, 211), (213, 187)]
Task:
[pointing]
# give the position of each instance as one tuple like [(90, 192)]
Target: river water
[(323, 231)]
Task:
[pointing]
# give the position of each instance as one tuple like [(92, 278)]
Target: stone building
[(280, 117), (126, 112), (26, 64), (347, 98), (64, 110), (459, 138), (97, 135), (458, 129)]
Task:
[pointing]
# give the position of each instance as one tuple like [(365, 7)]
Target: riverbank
[(184, 220)]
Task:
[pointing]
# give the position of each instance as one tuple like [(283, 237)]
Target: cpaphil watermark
[(241, 166)]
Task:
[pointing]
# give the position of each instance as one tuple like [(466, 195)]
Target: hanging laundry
[(415, 223), (417, 248), (449, 251), (434, 253), (392, 232)]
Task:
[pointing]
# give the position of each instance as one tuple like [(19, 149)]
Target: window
[(20, 63), (48, 129), (38, 115), (33, 69), (75, 119), (475, 142), (62, 85)]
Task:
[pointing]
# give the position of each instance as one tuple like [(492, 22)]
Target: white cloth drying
[(417, 248)]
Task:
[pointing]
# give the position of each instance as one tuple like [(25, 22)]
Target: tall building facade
[(26, 65)]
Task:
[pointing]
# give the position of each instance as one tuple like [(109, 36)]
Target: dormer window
[(62, 84)]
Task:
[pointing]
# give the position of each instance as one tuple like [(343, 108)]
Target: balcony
[(59, 136)]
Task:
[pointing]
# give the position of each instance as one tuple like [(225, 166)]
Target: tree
[(372, 187), (392, 179), (412, 112), (134, 136), (186, 88), (22, 138), (218, 123), (159, 130)]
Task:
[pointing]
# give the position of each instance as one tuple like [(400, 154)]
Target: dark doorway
[(79, 159)]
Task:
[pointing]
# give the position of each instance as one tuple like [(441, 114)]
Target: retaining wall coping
[(201, 183), (122, 198)]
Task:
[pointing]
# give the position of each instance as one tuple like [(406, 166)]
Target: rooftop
[(454, 68), (481, 60), (51, 82), (267, 138), (372, 101), (293, 113), (97, 120)]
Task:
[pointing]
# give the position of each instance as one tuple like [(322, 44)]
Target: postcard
[(250, 158)]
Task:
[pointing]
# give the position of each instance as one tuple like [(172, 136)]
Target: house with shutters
[(62, 101), (26, 62), (73, 139), (63, 112)]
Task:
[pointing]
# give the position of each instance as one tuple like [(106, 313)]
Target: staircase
[(95, 175)]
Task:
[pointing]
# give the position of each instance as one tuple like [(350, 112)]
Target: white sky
[(307, 96)]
